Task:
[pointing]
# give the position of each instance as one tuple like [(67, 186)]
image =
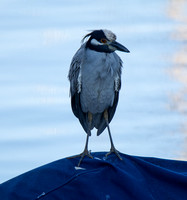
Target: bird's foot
[(82, 155), (113, 150)]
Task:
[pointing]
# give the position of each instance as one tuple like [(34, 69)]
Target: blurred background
[(37, 42)]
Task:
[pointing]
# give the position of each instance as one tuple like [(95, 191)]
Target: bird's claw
[(113, 150), (82, 155)]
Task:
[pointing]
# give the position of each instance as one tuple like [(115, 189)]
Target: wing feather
[(75, 88)]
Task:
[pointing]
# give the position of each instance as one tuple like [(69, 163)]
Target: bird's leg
[(85, 152), (112, 149)]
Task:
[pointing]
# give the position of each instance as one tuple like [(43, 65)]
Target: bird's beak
[(117, 46)]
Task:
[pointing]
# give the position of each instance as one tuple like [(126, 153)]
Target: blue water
[(38, 40)]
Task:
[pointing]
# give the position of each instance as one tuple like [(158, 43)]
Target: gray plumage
[(95, 78), (95, 81)]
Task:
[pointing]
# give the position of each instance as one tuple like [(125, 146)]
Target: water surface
[(37, 42)]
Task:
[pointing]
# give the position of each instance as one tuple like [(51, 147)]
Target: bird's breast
[(97, 92)]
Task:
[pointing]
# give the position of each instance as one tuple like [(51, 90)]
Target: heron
[(95, 82)]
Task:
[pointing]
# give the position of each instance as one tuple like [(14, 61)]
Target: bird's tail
[(99, 123)]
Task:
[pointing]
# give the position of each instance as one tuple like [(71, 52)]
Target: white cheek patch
[(95, 42)]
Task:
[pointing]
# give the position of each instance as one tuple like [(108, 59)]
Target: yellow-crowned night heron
[(95, 81)]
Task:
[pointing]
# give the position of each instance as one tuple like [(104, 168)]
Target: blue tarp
[(106, 179)]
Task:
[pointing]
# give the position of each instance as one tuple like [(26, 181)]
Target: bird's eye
[(103, 40)]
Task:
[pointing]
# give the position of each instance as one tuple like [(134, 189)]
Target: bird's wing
[(111, 110), (75, 87), (74, 72), (117, 87)]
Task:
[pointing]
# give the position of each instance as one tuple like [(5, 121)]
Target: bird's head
[(104, 41)]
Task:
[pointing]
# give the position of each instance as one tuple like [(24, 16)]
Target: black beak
[(119, 47)]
